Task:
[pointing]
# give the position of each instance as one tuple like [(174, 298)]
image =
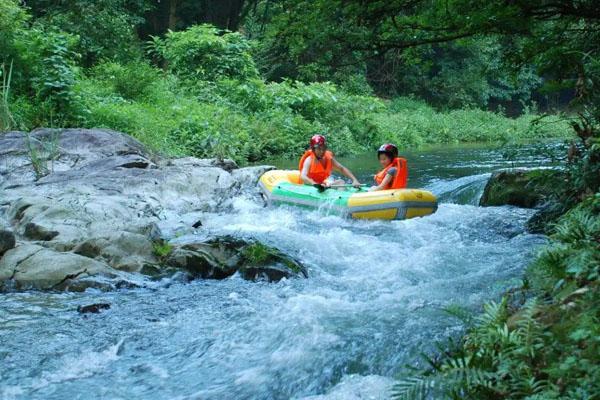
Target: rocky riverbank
[(89, 208)]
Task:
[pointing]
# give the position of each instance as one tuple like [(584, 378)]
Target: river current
[(374, 300)]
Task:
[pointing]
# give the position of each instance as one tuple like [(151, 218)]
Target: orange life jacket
[(319, 169), (401, 177)]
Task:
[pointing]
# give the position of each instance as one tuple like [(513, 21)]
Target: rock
[(123, 250), (259, 261), (219, 258), (35, 267), (93, 308), (544, 219), (37, 232), (100, 205), (204, 260), (71, 148), (249, 176), (520, 188), (7, 240), (226, 164)]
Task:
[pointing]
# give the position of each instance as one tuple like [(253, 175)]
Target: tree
[(106, 28), (180, 14)]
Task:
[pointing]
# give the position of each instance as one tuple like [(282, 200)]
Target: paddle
[(322, 188)]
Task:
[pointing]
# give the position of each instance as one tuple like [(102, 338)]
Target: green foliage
[(135, 80), (44, 68), (465, 73), (254, 120), (203, 52), (53, 78), (211, 102), (548, 348), (12, 21), (105, 28)]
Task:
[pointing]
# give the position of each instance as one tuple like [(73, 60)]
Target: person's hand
[(326, 184), (356, 183), (320, 187)]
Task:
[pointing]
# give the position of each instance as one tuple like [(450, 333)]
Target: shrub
[(202, 52), (132, 81), (105, 28)]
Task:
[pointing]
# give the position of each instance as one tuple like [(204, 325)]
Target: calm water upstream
[(374, 299)]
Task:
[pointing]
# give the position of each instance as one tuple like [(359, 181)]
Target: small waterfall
[(465, 190)]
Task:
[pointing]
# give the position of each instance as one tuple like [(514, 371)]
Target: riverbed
[(374, 300)]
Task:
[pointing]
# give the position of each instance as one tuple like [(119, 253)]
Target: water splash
[(465, 190)]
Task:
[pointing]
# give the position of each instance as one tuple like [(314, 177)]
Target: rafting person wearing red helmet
[(394, 174), (317, 163)]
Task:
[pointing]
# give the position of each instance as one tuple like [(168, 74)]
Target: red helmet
[(318, 140), (389, 149)]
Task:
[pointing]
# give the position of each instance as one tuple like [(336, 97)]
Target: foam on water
[(357, 387)]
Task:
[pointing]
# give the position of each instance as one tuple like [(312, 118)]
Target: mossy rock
[(221, 257), (521, 188), (259, 261)]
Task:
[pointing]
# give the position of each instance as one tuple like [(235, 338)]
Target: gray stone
[(36, 267), (123, 250), (249, 176)]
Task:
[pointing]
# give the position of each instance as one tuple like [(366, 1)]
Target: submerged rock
[(91, 205), (521, 188), (219, 258), (93, 308)]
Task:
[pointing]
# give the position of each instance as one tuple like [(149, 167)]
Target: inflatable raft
[(285, 187)]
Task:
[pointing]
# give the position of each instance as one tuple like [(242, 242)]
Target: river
[(374, 300)]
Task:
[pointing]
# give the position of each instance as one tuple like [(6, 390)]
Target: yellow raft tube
[(286, 187)]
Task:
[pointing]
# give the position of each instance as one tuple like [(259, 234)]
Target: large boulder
[(125, 251), (219, 258), (35, 267), (521, 188)]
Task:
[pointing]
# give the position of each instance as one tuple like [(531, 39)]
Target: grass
[(162, 250), (42, 152), (7, 121)]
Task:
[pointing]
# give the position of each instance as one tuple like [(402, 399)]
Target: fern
[(412, 388), (460, 313)]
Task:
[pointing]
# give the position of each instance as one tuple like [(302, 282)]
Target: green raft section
[(308, 196)]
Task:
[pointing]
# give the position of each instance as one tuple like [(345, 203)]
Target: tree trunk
[(179, 14), (173, 4)]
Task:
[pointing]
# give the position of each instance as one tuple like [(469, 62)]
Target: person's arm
[(386, 181), (304, 173), (345, 171)]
